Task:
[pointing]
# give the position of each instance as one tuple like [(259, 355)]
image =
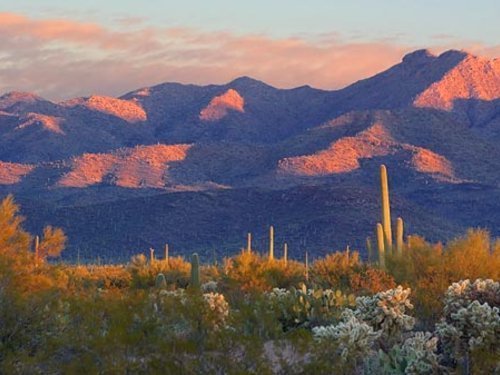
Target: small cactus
[(161, 281), (307, 266), (249, 242), (195, 271), (271, 243), (399, 236), (37, 249), (369, 249), (285, 253), (381, 245)]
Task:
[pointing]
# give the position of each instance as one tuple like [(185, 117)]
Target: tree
[(52, 244), (13, 238)]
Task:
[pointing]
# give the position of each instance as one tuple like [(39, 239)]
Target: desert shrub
[(251, 272), (369, 280), (430, 269), (143, 272), (335, 270), (88, 278)]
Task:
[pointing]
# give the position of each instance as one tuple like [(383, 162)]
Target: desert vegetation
[(411, 308)]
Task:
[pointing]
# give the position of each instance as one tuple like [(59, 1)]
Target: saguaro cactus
[(307, 266), (195, 271), (249, 242), (152, 255), (37, 249), (399, 236), (386, 208), (271, 243), (166, 253), (369, 249), (381, 245), (285, 253)]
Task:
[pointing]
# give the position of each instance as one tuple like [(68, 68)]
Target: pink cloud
[(60, 58)]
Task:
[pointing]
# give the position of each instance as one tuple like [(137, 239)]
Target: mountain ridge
[(434, 120)]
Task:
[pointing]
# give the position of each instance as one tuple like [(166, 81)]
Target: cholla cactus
[(386, 311), (470, 328), (304, 307), (417, 356), (419, 352), (209, 286), (471, 319), (462, 293), (218, 305), (161, 281), (353, 338)]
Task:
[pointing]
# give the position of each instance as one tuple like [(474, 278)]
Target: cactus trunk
[(381, 245), (195, 271), (166, 253), (307, 267), (399, 236), (249, 242), (271, 243), (37, 250), (386, 208), (369, 249), (285, 253), (152, 255)]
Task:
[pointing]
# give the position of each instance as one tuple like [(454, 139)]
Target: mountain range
[(200, 166)]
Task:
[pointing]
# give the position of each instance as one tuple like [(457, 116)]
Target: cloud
[(60, 58)]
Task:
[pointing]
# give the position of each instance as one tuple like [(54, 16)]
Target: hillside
[(199, 166)]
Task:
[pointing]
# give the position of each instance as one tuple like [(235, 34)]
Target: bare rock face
[(128, 110), (12, 173), (140, 167), (473, 78), (219, 106), (48, 123)]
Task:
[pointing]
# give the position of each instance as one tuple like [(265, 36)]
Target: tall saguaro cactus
[(152, 255), (195, 271), (399, 236), (249, 242), (166, 254), (381, 245), (386, 208), (271, 243)]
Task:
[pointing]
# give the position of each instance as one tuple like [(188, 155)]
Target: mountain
[(199, 166)]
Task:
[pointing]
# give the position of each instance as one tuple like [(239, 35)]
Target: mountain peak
[(419, 57), (11, 98), (246, 82)]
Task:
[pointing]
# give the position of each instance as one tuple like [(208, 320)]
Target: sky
[(64, 48)]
